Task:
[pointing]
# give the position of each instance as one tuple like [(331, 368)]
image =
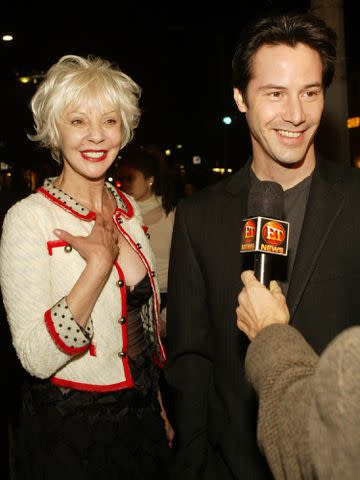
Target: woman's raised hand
[(100, 247)]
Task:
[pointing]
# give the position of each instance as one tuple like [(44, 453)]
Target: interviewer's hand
[(258, 306)]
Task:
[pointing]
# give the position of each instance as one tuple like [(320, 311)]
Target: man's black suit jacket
[(215, 408)]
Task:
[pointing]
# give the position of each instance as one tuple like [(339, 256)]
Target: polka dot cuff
[(67, 331)]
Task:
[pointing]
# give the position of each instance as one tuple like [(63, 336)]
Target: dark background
[(180, 57)]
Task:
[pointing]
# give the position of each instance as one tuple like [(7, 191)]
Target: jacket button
[(153, 273), (122, 320), (68, 248), (122, 354), (138, 245), (120, 283)]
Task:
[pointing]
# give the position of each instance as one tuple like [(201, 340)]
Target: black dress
[(89, 435)]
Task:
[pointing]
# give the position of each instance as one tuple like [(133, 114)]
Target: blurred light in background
[(353, 122), (227, 120), (33, 78), (24, 79)]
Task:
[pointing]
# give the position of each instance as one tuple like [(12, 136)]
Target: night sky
[(181, 59)]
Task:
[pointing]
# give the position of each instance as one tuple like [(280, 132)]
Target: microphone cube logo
[(267, 235), (274, 236), (273, 233), (248, 235)]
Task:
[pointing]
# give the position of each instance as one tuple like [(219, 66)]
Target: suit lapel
[(323, 207), (239, 184)]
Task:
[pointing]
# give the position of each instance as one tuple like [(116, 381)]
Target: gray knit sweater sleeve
[(280, 364)]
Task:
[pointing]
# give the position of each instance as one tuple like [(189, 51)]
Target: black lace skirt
[(87, 435)]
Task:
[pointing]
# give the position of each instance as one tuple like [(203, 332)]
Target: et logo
[(273, 233), (265, 235), (249, 231)]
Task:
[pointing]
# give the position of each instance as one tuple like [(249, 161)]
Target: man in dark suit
[(282, 68)]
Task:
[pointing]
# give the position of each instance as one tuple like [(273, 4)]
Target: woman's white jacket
[(37, 271)]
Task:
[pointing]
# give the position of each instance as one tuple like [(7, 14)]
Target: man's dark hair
[(289, 29)]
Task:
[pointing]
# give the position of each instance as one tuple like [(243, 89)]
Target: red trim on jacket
[(128, 213), (130, 209), (51, 329), (123, 326), (128, 383), (90, 216), (51, 244), (160, 362)]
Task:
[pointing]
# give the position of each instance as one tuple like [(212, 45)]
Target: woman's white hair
[(73, 79)]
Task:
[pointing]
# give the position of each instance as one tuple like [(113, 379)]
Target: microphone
[(264, 233)]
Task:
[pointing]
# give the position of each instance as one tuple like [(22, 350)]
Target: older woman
[(81, 293)]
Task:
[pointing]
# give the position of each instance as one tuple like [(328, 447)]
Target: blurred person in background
[(196, 180), (81, 294), (144, 174)]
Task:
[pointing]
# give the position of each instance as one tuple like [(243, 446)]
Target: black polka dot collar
[(65, 201)]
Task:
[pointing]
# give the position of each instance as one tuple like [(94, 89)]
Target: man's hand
[(169, 431), (258, 306)]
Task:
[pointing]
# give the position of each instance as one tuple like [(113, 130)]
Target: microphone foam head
[(266, 199)]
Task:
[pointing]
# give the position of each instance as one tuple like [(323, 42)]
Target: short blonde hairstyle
[(73, 79)]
